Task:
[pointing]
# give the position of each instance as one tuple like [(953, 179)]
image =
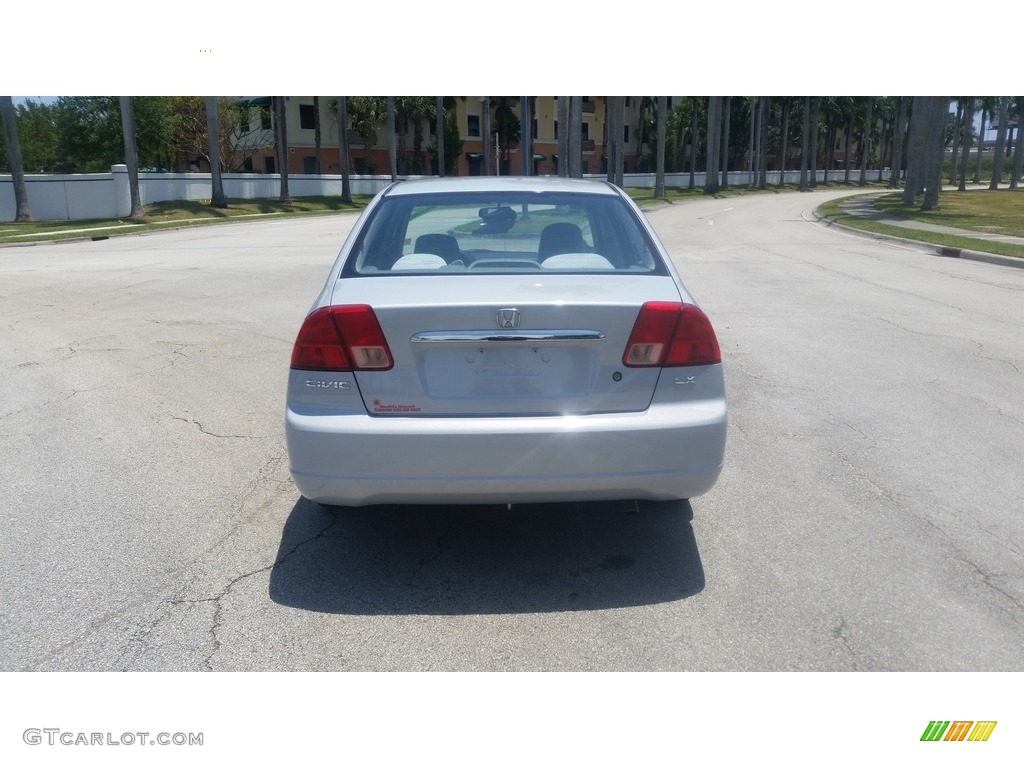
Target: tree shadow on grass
[(451, 560)]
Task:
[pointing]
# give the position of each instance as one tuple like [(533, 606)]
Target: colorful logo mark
[(958, 730)]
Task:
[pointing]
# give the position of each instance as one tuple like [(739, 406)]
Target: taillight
[(345, 338), (671, 334)]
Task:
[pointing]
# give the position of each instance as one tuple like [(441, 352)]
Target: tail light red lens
[(671, 334), (345, 338)]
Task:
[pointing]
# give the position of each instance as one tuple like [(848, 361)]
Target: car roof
[(501, 184)]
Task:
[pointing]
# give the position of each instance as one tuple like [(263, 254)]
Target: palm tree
[(281, 133), (485, 129), (898, 138), (958, 135), (131, 154), (1018, 151), (725, 143), (13, 146), (576, 137), (938, 107), (787, 105), (217, 199), (562, 117), (865, 139), (997, 159), (344, 158), (317, 136), (815, 122), (714, 142), (968, 133), (392, 149), (987, 107), (694, 102), (659, 171), (762, 163), (368, 112), (439, 117), (915, 149)]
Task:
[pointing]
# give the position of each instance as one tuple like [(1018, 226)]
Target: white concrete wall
[(107, 196)]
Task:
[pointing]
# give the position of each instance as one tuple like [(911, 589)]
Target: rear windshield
[(508, 232)]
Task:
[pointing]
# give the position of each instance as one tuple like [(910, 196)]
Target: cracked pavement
[(868, 517)]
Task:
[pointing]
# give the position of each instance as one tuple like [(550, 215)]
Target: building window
[(585, 131), (307, 119), (473, 122), (265, 122), (533, 129), (625, 134), (268, 164), (556, 130)]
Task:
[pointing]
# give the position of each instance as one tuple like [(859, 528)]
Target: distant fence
[(107, 195)]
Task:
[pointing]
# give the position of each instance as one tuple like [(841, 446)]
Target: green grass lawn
[(979, 210)]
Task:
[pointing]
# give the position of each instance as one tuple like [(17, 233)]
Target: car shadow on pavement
[(451, 560)]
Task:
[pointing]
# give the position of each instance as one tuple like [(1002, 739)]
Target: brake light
[(345, 338), (671, 334)]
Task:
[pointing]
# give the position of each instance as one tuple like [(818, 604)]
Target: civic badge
[(508, 318)]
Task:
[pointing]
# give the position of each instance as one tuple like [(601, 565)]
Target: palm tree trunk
[(485, 127), (898, 137), (563, 135), (659, 172), (7, 113), (997, 158), (131, 153), (620, 140), (317, 135), (981, 146), (865, 143), (805, 142), (846, 154), (936, 129), (915, 145), (968, 132), (725, 143), (217, 199), (755, 139), (576, 137), (392, 150), (784, 150), (693, 138), (714, 139), (815, 115), (1018, 151), (958, 132), (281, 128), (439, 119), (762, 163), (343, 149)]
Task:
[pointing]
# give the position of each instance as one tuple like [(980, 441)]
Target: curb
[(937, 250)]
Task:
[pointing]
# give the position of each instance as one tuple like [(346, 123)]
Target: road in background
[(868, 517)]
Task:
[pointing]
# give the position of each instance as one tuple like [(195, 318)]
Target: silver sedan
[(500, 340)]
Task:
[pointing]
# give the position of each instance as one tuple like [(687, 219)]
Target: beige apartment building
[(482, 149)]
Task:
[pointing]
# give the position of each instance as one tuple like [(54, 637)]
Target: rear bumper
[(670, 451)]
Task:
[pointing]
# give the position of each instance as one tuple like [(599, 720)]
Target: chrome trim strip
[(475, 337)]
